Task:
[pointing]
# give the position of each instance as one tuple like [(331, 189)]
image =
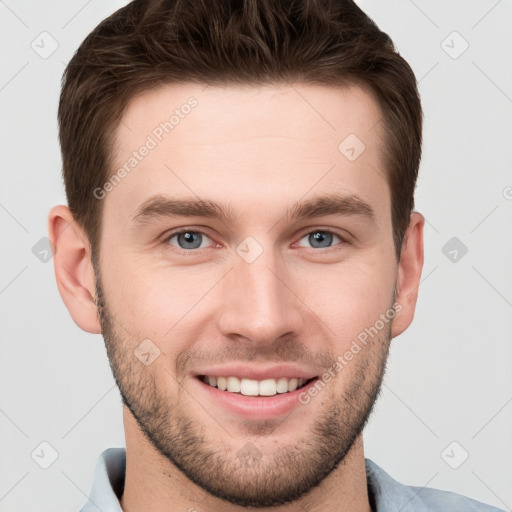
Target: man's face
[(261, 287)]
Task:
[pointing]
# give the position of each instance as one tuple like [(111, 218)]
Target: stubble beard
[(238, 471)]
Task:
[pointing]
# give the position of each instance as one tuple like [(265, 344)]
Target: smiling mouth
[(251, 387)]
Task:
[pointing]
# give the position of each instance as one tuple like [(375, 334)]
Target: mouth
[(253, 387), (246, 398)]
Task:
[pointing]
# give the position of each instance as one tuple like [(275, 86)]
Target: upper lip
[(245, 371)]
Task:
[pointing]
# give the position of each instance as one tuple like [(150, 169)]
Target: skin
[(259, 151)]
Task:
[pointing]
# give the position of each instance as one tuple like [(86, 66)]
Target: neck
[(154, 483)]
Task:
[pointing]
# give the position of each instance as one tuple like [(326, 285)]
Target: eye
[(188, 239), (321, 239)]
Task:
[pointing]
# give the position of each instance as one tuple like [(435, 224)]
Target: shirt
[(385, 493)]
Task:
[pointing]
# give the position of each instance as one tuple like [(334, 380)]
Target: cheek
[(348, 298), (152, 301)]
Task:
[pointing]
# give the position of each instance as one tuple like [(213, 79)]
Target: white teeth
[(234, 384), (222, 383), (267, 387), (292, 384), (251, 387), (282, 385)]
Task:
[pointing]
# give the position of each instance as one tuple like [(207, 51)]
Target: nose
[(259, 303)]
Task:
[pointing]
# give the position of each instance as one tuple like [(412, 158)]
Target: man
[(240, 180)]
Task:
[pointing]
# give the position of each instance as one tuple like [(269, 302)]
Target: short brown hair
[(149, 43)]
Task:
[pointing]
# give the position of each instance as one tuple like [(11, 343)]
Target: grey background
[(449, 376)]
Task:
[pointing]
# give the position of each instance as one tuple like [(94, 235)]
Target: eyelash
[(190, 252)]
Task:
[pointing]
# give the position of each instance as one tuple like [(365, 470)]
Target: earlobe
[(409, 273), (73, 268)]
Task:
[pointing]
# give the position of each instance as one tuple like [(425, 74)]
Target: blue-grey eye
[(321, 239), (188, 239)]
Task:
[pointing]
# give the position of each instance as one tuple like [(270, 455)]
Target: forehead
[(244, 144)]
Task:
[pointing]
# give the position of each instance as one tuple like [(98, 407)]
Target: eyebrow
[(160, 206), (331, 204), (163, 206)]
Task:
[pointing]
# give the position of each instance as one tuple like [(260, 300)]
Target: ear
[(409, 274), (73, 268)]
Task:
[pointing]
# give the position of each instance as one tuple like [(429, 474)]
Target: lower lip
[(255, 407)]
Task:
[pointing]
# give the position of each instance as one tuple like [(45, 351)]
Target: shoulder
[(388, 495), (108, 482)]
